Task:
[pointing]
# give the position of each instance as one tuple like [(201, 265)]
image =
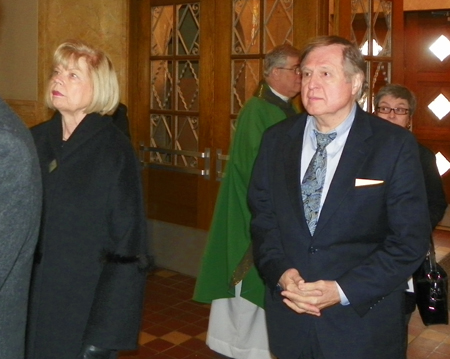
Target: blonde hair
[(105, 84)]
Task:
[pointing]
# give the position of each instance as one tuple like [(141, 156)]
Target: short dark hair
[(397, 91)]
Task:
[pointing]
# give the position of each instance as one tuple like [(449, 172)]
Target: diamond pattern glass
[(246, 38), (245, 74), (372, 19), (371, 29), (161, 85), (161, 131), (382, 28), (188, 29), (174, 101), (162, 30), (278, 23), (187, 85), (442, 163), (441, 47), (250, 43), (440, 106)]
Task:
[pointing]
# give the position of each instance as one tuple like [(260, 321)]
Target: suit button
[(313, 250)]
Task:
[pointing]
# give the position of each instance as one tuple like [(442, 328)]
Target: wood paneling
[(26, 110), (428, 77)]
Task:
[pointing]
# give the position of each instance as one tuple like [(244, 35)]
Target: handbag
[(431, 288)]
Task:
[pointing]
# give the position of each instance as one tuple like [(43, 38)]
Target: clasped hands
[(307, 297)]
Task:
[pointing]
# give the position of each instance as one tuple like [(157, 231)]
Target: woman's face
[(71, 88), (389, 103)]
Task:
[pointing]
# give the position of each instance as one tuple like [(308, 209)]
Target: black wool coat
[(89, 272)]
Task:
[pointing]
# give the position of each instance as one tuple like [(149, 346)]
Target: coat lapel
[(57, 150), (352, 158)]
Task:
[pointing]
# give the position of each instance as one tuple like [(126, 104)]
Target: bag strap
[(432, 255)]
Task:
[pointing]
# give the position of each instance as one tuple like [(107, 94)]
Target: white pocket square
[(360, 182)]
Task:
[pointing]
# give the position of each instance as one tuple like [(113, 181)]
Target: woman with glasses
[(397, 104)]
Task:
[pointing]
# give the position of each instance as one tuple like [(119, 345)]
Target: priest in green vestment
[(227, 269)]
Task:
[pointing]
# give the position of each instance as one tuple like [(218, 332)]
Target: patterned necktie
[(314, 179)]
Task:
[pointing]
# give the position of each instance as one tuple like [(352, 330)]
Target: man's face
[(285, 80), (327, 93), (389, 103)]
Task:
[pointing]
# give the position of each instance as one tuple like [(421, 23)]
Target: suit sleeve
[(268, 252), (433, 184), (407, 239), (18, 201), (115, 316)]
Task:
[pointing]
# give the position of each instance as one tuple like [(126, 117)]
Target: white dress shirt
[(334, 152)]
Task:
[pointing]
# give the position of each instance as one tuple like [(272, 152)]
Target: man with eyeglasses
[(227, 277), (397, 104)]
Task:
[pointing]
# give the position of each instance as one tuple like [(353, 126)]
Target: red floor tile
[(169, 308)]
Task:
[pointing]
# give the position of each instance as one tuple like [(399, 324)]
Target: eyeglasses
[(397, 111), (297, 70)]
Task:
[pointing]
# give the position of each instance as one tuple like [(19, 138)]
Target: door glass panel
[(175, 91), (160, 132), (187, 85), (188, 29), (246, 22), (440, 106), (442, 163), (250, 43), (382, 28), (162, 30), (245, 75), (278, 23), (371, 29), (161, 85), (441, 48)]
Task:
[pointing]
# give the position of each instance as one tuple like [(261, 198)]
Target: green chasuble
[(229, 235)]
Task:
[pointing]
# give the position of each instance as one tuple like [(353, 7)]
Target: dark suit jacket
[(368, 239), (20, 213), (433, 184)]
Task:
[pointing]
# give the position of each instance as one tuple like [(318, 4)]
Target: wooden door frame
[(342, 27), (310, 19)]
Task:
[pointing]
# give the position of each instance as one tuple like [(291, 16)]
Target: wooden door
[(171, 70), (193, 64), (429, 78)]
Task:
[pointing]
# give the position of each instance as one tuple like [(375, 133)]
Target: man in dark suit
[(335, 273), (20, 208)]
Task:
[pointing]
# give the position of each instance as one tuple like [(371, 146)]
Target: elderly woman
[(90, 267)]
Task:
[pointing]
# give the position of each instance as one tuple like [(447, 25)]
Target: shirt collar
[(341, 131), (284, 98)]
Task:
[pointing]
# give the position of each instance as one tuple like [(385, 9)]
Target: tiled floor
[(174, 327)]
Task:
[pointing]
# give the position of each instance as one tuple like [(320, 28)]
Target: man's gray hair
[(277, 57)]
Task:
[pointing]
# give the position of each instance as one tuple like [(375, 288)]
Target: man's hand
[(307, 298), (301, 301)]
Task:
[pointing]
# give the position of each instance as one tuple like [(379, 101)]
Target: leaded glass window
[(174, 67)]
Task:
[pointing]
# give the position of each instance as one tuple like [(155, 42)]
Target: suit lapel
[(292, 158), (353, 156)]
